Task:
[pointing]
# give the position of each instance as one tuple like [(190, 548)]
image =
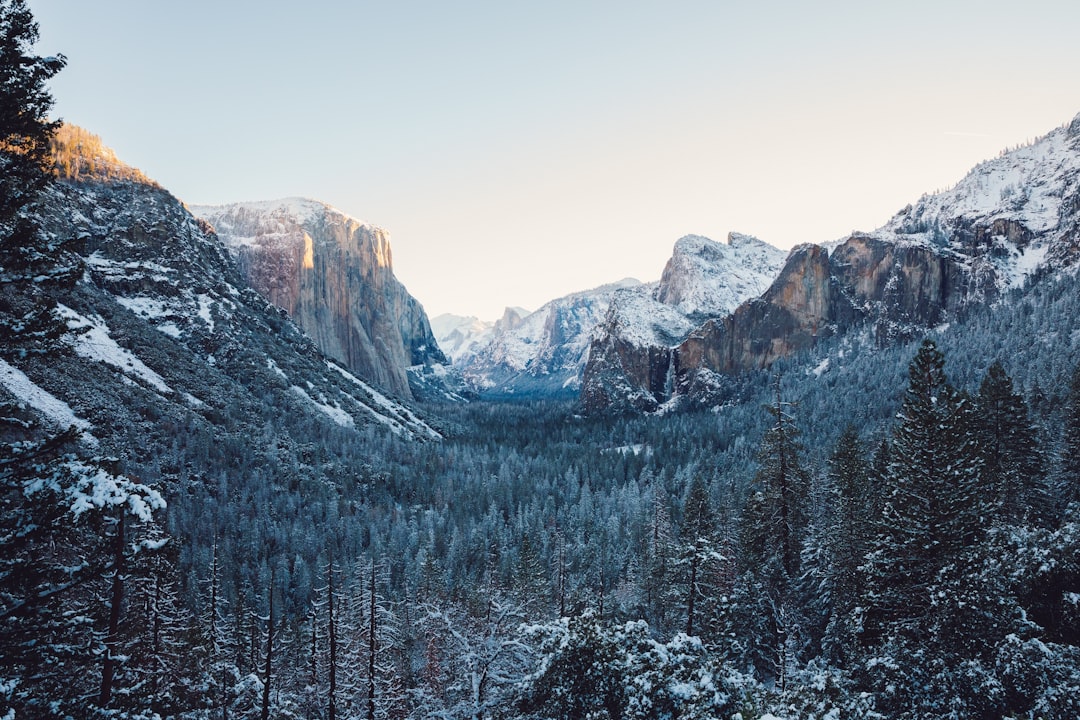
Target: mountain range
[(718, 308)]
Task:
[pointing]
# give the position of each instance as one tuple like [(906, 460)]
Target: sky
[(520, 151)]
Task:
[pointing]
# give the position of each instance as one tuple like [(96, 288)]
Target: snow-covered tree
[(1013, 467), (934, 605)]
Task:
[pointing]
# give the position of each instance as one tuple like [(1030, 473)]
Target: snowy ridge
[(1022, 198), (461, 336), (543, 352), (274, 219), (707, 278)]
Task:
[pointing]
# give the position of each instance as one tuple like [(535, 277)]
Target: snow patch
[(93, 342), (333, 412), (402, 418), (53, 408)]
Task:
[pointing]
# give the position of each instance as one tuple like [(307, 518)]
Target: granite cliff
[(1008, 220), (334, 277)]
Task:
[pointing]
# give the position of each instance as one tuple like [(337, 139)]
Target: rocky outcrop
[(334, 276), (1008, 220), (901, 289), (633, 360)]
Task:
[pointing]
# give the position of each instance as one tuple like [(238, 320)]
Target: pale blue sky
[(518, 151)]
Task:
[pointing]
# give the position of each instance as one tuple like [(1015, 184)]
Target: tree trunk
[(269, 653), (112, 636)]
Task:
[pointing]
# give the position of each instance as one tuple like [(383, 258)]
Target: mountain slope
[(158, 327), (1010, 218), (546, 353), (334, 276)]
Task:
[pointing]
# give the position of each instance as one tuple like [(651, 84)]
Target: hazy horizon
[(517, 154)]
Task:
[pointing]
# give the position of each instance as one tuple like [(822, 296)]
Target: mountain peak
[(79, 154), (704, 277)]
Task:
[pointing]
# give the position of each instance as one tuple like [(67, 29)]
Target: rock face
[(334, 276), (632, 361), (1006, 220)]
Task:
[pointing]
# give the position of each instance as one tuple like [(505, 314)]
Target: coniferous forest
[(895, 534)]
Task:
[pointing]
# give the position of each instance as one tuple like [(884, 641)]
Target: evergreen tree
[(1069, 489), (932, 600), (1011, 458), (25, 130), (838, 588), (771, 535), (700, 562)]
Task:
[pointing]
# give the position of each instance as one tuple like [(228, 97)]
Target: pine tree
[(699, 558), (838, 583), (932, 600), (25, 102), (1012, 460), (1069, 490), (771, 533)]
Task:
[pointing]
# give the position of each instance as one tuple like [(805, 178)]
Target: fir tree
[(1011, 458), (932, 601), (25, 130), (838, 587), (1069, 490)]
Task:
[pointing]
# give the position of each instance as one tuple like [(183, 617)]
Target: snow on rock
[(51, 407), (397, 417), (1018, 207), (91, 340), (333, 412), (707, 278)]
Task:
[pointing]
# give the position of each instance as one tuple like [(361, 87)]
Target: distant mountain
[(1009, 219), (334, 276), (545, 353)]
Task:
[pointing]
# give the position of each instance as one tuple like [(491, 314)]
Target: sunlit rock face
[(1009, 219), (334, 276)]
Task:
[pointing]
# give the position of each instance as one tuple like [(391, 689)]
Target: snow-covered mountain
[(541, 353), (1008, 219), (334, 276), (546, 352), (157, 327), (704, 278)]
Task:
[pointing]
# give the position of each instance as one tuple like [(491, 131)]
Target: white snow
[(333, 412), (94, 343), (170, 329), (1025, 186), (53, 408), (205, 305), (820, 368), (147, 307), (273, 366), (704, 277), (400, 418)]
